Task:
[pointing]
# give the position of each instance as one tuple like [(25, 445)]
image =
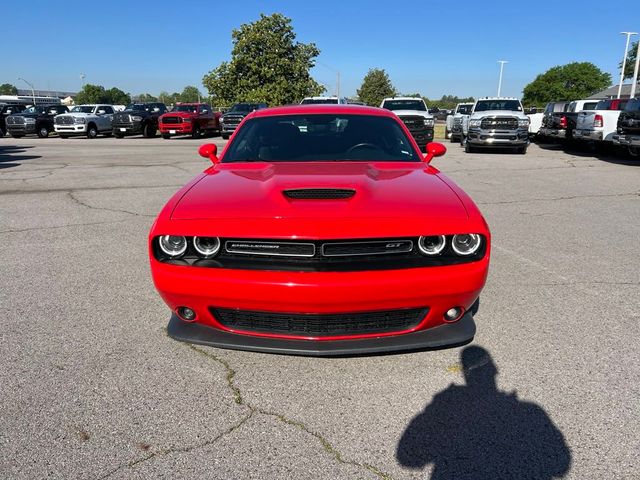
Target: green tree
[(631, 61), (190, 94), (117, 97), (566, 82), (376, 86), (8, 89), (267, 65), (91, 94)]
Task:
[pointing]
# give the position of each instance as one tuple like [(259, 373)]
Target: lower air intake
[(319, 325)]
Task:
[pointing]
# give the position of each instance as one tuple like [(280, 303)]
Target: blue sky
[(429, 47)]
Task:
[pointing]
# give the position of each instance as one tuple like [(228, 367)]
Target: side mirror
[(209, 150), (434, 149)]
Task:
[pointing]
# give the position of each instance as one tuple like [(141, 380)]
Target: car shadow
[(12, 155), (477, 432)]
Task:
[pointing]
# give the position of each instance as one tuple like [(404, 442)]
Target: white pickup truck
[(89, 120), (600, 124), (453, 128)]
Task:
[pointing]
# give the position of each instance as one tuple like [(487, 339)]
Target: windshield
[(319, 101), (185, 108), (486, 105), (244, 107), (321, 137), (633, 105), (405, 105), (465, 109), (138, 107), (33, 109), (82, 109)]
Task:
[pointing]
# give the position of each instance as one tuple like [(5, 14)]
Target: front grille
[(457, 121), (320, 325), (319, 193), (349, 255), (122, 118), (15, 120), (63, 120), (232, 119), (171, 119), (413, 122), (499, 123)]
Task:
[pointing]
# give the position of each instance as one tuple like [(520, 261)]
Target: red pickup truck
[(189, 119)]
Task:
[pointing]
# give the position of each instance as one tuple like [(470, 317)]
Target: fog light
[(186, 314), (453, 314)]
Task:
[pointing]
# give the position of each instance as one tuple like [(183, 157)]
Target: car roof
[(323, 109), (403, 98)]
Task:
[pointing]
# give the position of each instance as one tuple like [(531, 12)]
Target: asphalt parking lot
[(93, 388)]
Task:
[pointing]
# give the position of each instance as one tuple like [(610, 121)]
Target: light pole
[(634, 83), (33, 93), (624, 60), (82, 77), (337, 76), (501, 62)]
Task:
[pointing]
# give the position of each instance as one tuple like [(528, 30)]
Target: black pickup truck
[(137, 119), (35, 119), (628, 129), (5, 111), (560, 118), (232, 118)]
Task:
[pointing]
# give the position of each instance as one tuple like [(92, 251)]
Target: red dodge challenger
[(321, 230)]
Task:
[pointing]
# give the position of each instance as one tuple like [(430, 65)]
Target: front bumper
[(228, 128), (627, 140), (498, 138), (175, 128), (447, 335), (582, 134), (422, 136), (23, 129), (437, 288), (134, 128), (71, 129)]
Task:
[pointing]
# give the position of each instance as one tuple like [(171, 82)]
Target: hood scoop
[(319, 193)]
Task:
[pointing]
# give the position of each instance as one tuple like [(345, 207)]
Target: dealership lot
[(93, 387)]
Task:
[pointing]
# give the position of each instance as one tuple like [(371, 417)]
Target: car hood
[(179, 114), (498, 113), (77, 114), (396, 191), (420, 113)]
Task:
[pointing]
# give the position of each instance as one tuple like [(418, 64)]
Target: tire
[(453, 139), (43, 131), (225, 136), (633, 151), (2, 132), (149, 130), (92, 131), (166, 136), (195, 132)]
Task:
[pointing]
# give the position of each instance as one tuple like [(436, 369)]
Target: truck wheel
[(92, 131), (166, 136), (195, 132), (149, 131), (447, 134), (634, 151), (2, 132), (43, 131)]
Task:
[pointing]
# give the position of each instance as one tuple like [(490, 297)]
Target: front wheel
[(149, 131), (92, 131), (195, 132), (43, 131)]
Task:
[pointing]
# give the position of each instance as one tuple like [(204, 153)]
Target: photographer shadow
[(478, 432)]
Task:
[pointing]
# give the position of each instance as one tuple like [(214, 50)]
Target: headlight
[(523, 122), (466, 243), (79, 120), (29, 120), (221, 120), (428, 122), (173, 245), (475, 123), (206, 246), (136, 118), (432, 245)]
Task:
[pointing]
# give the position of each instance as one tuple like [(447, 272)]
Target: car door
[(206, 117), (106, 118)]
